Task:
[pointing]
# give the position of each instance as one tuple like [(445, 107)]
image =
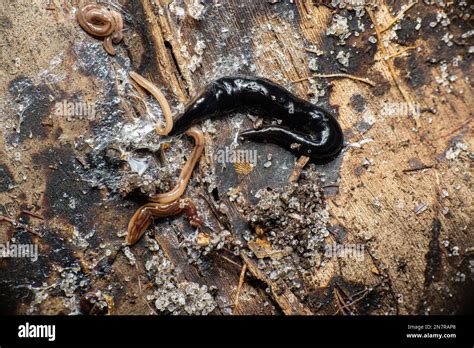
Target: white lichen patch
[(343, 58), (339, 27), (128, 253), (68, 284), (170, 296), (196, 250), (196, 59), (354, 5), (455, 150), (446, 79), (196, 9), (294, 221)]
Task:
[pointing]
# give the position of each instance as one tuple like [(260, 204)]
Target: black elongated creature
[(302, 127)]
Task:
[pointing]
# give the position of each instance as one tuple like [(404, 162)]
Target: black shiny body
[(301, 126)]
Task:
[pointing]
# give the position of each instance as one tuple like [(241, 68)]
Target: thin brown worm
[(108, 46), (165, 107), (117, 35), (102, 22), (145, 214), (186, 172)]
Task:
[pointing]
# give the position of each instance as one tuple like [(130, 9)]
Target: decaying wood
[(402, 187), (287, 301)]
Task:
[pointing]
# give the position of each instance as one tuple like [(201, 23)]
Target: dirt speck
[(358, 103)]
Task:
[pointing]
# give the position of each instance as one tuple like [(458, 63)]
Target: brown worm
[(186, 172), (99, 21), (145, 214), (117, 35), (165, 107)]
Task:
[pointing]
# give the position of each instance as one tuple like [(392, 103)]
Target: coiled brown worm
[(102, 22)]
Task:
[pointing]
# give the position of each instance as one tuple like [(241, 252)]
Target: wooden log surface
[(400, 194)]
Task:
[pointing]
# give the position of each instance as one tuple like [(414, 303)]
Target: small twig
[(351, 296), (348, 76), (464, 124), (10, 220), (384, 52), (310, 50), (365, 293), (398, 17), (229, 260), (141, 290), (330, 186), (339, 301), (298, 169), (239, 287), (284, 297), (30, 213), (401, 52), (410, 170), (19, 225)]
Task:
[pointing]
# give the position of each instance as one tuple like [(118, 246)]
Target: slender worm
[(145, 214), (302, 127), (186, 172), (102, 22), (117, 35), (165, 107)]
